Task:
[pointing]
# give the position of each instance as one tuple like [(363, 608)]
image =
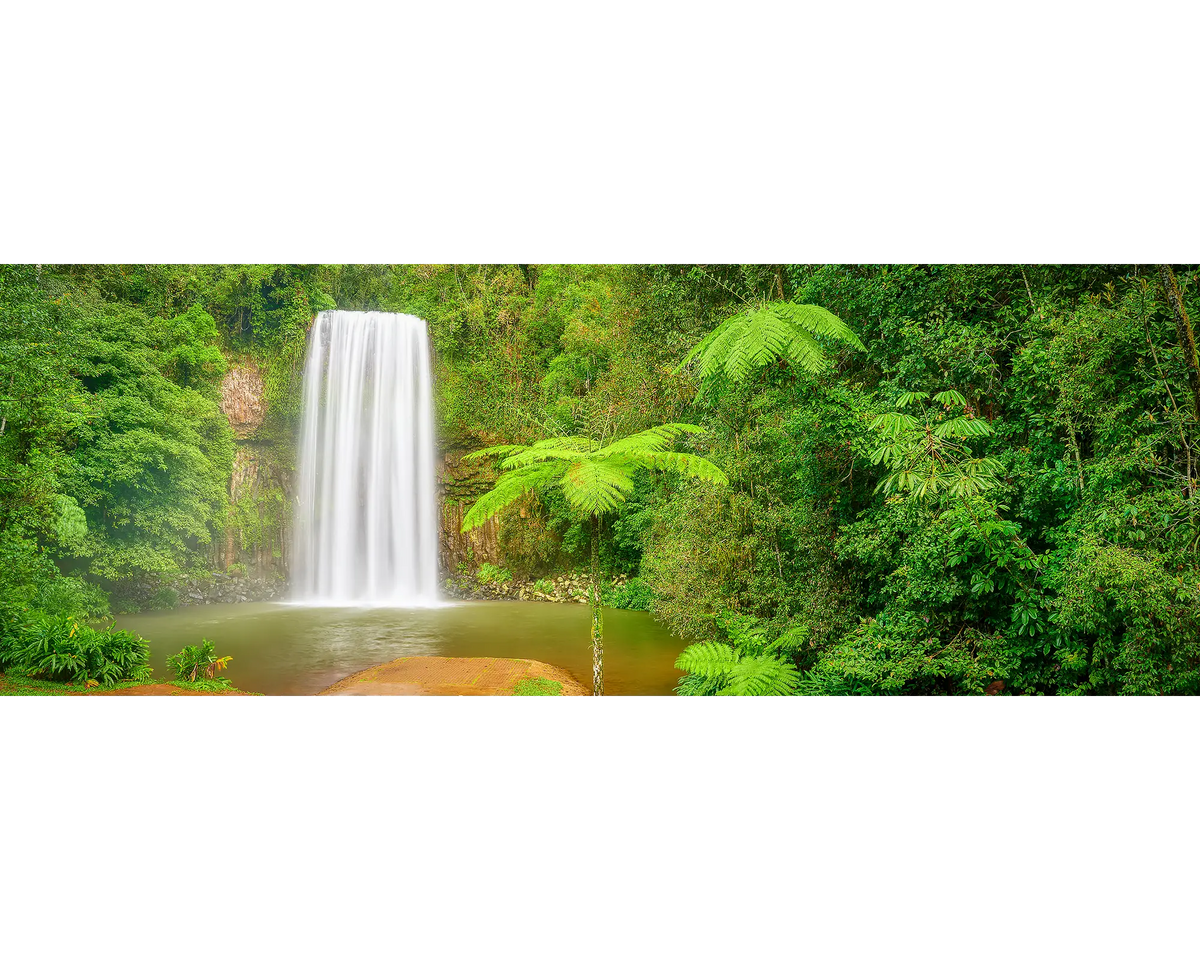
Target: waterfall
[(366, 517)]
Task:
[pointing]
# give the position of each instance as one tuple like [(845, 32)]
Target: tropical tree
[(928, 455), (595, 479)]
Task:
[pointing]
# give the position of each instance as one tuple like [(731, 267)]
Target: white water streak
[(366, 518)]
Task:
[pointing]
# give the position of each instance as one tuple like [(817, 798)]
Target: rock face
[(257, 536), (258, 532), (460, 483), (242, 399), (257, 539)]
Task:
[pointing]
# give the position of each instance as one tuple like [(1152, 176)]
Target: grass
[(17, 686), (537, 687)]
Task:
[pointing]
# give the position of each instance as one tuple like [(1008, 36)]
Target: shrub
[(165, 599), (59, 648), (72, 596), (543, 586), (198, 662), (490, 573), (633, 595)]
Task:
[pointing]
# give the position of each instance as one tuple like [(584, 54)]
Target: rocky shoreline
[(239, 588), (567, 588)]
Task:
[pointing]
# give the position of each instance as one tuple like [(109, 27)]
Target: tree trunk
[(597, 624), (1187, 339)]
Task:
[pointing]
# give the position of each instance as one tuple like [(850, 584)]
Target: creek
[(284, 648)]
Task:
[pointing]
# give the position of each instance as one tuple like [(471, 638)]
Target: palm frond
[(948, 397), (894, 424), (963, 427)]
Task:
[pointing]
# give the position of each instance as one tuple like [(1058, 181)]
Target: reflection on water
[(283, 648)]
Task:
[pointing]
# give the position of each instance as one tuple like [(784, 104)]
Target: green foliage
[(73, 597), (634, 594), (61, 649), (166, 598), (927, 457), (766, 333), (198, 662), (1122, 624), (594, 479), (1037, 524), (751, 663), (764, 545), (538, 687), (489, 573)]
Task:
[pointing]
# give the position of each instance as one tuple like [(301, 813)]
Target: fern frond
[(594, 487), (792, 640), (578, 444), (557, 448), (496, 451), (707, 659), (754, 338), (687, 464), (694, 685), (762, 676), (764, 336), (508, 488), (804, 351), (650, 440), (819, 322), (702, 347)]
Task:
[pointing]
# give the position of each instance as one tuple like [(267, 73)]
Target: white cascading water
[(366, 518)]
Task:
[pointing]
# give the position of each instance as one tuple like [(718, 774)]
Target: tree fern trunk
[(597, 635)]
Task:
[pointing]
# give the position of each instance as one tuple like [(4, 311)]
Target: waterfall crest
[(366, 517)]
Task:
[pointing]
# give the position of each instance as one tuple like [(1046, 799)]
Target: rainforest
[(781, 479)]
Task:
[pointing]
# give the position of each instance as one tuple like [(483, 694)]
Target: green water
[(285, 649)]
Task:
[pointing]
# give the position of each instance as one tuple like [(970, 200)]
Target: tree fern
[(595, 481), (766, 333)]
